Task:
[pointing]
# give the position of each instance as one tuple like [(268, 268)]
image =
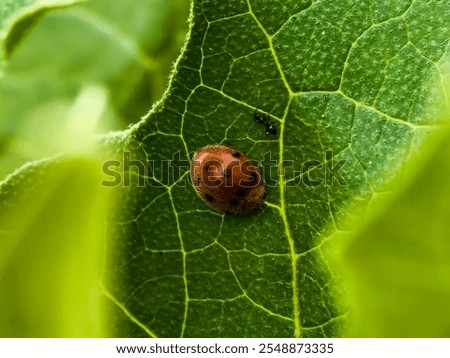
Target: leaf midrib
[(281, 184)]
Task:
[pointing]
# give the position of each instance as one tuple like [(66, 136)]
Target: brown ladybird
[(227, 180)]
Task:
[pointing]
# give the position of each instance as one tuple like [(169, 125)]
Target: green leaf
[(346, 84), (17, 17)]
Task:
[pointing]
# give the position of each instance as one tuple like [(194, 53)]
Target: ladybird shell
[(227, 179)]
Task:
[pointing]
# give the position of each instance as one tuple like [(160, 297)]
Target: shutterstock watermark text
[(315, 172)]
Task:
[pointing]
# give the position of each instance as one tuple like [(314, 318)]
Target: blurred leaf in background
[(397, 264), (51, 250), (122, 50)]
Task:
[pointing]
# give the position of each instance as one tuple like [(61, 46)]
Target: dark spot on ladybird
[(209, 198), (254, 176), (234, 202), (236, 154), (227, 173), (207, 167), (240, 192)]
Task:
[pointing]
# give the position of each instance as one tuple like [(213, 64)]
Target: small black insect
[(265, 120)]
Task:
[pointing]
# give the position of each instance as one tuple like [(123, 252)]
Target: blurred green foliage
[(71, 73), (122, 49), (398, 263), (51, 251)]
